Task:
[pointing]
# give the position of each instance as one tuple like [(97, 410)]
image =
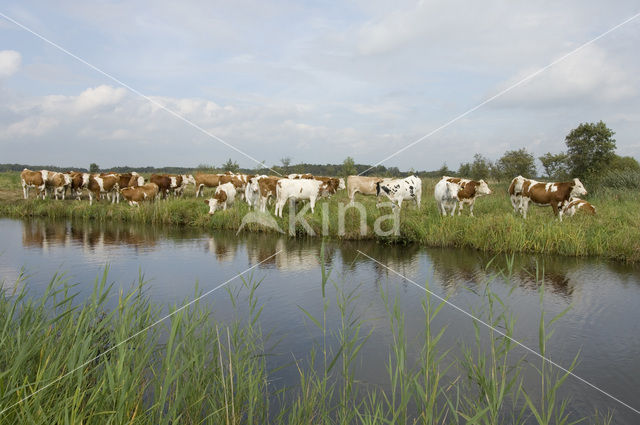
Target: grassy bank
[(70, 361), (613, 233)]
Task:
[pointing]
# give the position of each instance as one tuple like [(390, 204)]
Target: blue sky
[(314, 81)]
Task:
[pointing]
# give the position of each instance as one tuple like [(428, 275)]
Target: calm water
[(603, 324)]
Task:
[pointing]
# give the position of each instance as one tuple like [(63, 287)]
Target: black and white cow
[(399, 190)]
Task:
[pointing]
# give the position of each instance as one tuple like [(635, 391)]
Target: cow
[(252, 191), (186, 180), (446, 194), (79, 181), (132, 179), (224, 197), (267, 189), (57, 184), (163, 182), (103, 184), (298, 189), (35, 179), (578, 204), (469, 191), (203, 180), (557, 195), (300, 176), (399, 190), (136, 194), (362, 184)]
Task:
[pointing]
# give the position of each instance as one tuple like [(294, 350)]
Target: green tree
[(286, 162), (591, 147), (444, 171), (230, 165), (516, 162), (464, 170), (555, 165), (348, 167), (627, 163), (93, 168), (481, 167)]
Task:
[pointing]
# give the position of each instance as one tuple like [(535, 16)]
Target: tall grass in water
[(64, 361)]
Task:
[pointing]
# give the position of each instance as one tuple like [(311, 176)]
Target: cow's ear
[(206, 201)]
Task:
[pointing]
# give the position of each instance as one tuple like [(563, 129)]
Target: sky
[(312, 81)]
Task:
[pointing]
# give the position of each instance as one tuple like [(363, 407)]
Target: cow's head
[(341, 184), (483, 188), (213, 205), (188, 179), (578, 189)]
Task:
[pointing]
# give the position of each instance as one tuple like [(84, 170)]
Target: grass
[(613, 233), (62, 362)]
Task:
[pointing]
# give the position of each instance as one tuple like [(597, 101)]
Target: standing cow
[(34, 179), (399, 190), (557, 195)]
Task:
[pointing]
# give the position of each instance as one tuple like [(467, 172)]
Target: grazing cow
[(578, 204), (557, 195), (79, 181), (362, 184), (469, 191), (135, 194), (205, 180), (224, 197), (186, 180), (401, 190), (298, 189), (36, 179), (57, 183), (164, 183), (446, 194), (267, 188), (103, 184)]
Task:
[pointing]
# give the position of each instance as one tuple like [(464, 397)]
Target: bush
[(620, 179)]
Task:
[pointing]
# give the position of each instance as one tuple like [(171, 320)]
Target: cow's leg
[(471, 208), (312, 202), (453, 208), (460, 205), (25, 191), (524, 207)]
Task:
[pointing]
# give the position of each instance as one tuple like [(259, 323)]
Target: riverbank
[(613, 233)]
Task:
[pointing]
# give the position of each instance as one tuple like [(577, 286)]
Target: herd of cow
[(450, 192)]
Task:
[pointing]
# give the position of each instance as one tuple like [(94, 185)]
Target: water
[(602, 325)]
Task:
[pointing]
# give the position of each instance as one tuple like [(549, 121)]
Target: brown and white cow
[(79, 181), (163, 182), (469, 191), (556, 194), (132, 179), (578, 205), (57, 184), (267, 189), (35, 179), (203, 180), (362, 184), (225, 196), (185, 180), (136, 194), (104, 184)]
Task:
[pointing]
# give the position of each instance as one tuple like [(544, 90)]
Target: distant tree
[(286, 162), (555, 165), (516, 162), (230, 165), (591, 147), (260, 166), (94, 168), (444, 171), (348, 167), (464, 170), (624, 163), (481, 167)]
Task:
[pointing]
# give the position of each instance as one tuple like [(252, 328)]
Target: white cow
[(298, 189), (224, 197), (399, 190), (252, 191), (446, 194)]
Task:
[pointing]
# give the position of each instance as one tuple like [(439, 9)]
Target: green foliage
[(481, 167), (94, 168), (230, 165), (624, 163), (444, 171), (555, 165), (516, 163), (464, 170), (590, 148), (348, 167)]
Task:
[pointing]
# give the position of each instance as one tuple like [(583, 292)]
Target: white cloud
[(10, 62), (94, 98)]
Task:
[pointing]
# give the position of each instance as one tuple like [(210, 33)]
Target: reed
[(66, 360)]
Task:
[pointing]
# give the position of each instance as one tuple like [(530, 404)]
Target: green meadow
[(613, 233)]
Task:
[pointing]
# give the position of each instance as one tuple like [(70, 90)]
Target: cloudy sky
[(314, 81)]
